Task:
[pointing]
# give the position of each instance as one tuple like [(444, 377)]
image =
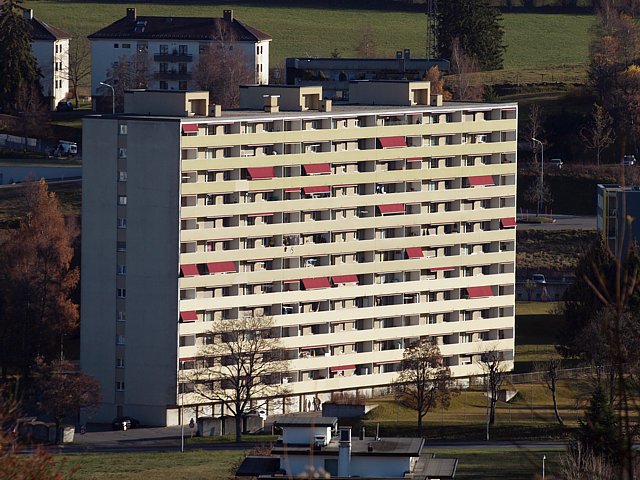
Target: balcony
[(174, 57), (172, 75)]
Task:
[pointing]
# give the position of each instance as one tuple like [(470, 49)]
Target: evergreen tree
[(18, 66), (476, 24), (598, 431)]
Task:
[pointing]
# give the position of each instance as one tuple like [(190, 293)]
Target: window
[(121, 316), (122, 153), (120, 386), (126, 45), (119, 362), (164, 49), (122, 176), (121, 246), (122, 223), (123, 129), (164, 85), (121, 270), (122, 199), (122, 293)]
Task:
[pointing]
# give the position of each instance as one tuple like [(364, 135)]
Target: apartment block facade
[(359, 228), (174, 46), (50, 47)]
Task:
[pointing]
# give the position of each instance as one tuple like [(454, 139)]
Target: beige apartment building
[(358, 227)]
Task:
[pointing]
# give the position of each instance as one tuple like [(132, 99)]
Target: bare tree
[(79, 68), (243, 365), (599, 135), (550, 373), (222, 69), (127, 73), (424, 382), (463, 66), (32, 111), (495, 371), (366, 47)]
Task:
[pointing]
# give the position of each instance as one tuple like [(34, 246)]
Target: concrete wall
[(304, 435), (98, 305)]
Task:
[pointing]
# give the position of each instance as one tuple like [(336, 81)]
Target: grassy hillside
[(534, 40)]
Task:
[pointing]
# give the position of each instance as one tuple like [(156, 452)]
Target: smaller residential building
[(334, 74), (50, 47), (317, 446), (617, 204), (174, 46)]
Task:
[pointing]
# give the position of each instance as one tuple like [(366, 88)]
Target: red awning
[(481, 180), (392, 142), (391, 208), (342, 367), (189, 128), (188, 316), (508, 222), (261, 173), (317, 168), (480, 292), (442, 269), (414, 252), (312, 190), (414, 159), (315, 283), (222, 267), (344, 279), (189, 270)]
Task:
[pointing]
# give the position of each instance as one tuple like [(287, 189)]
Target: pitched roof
[(180, 28)]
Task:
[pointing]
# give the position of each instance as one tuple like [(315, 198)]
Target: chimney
[(344, 452), (131, 13), (228, 15), (27, 14)]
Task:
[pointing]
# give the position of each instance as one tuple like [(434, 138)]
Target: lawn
[(542, 42), (515, 464), (190, 465)]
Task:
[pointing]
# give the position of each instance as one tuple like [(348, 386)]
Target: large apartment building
[(173, 47), (360, 228)]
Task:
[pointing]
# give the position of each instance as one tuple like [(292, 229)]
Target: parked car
[(556, 162), (629, 160), (538, 278), (124, 423), (64, 106)]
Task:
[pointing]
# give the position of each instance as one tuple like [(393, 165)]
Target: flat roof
[(383, 447), (337, 110)]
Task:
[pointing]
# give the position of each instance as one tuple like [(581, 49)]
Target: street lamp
[(544, 457), (541, 175), (113, 97)]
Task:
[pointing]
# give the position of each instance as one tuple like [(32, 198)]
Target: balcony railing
[(172, 57)]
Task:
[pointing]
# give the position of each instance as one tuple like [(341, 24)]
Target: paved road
[(167, 439), (563, 222)]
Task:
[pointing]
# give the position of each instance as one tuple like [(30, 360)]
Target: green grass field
[(190, 465), (534, 41)]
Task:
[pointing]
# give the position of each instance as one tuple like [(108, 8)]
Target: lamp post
[(544, 457), (113, 97), (540, 202)]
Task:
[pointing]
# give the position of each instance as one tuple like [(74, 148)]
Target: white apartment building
[(50, 47), (360, 228), (174, 46)]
